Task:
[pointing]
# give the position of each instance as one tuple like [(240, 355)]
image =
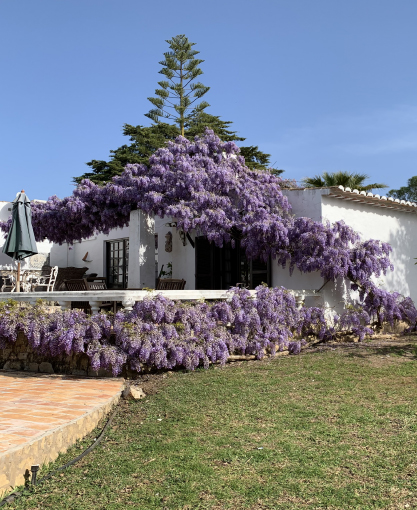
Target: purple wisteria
[(205, 186), (162, 334), (159, 333)]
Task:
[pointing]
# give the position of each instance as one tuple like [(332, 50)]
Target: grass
[(332, 429)]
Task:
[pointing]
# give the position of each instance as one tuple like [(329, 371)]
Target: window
[(117, 262)]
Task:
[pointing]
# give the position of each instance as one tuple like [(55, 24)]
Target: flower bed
[(162, 334)]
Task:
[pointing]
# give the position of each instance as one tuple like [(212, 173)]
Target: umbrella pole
[(18, 278)]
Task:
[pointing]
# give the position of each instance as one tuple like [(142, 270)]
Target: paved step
[(42, 415)]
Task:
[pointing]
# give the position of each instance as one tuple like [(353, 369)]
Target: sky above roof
[(320, 85)]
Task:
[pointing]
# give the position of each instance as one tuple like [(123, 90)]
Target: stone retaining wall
[(19, 355)]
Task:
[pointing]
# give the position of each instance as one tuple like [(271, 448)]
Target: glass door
[(117, 262)]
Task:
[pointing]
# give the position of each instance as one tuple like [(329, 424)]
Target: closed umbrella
[(20, 242)]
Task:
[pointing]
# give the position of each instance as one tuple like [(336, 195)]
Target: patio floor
[(42, 415)]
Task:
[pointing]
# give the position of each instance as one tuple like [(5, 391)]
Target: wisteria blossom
[(205, 187), (162, 334)]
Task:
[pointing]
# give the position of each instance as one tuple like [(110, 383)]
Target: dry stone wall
[(19, 355)]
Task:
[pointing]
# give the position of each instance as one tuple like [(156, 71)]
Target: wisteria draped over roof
[(205, 186)]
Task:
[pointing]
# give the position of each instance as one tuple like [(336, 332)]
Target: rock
[(12, 365), (33, 367), (101, 372), (79, 372), (133, 393), (46, 368)]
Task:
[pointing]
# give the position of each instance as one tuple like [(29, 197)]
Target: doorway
[(222, 268)]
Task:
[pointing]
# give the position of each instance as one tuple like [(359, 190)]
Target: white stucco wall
[(391, 226), (164, 257), (183, 259), (67, 256), (306, 202)]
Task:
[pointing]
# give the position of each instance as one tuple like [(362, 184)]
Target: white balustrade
[(129, 297)]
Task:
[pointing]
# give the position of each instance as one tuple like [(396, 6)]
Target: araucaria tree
[(174, 101), (177, 98)]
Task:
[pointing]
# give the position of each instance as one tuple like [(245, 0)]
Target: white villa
[(132, 257)]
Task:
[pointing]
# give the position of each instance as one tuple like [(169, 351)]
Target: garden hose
[(34, 469)]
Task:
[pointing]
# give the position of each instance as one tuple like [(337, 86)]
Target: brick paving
[(34, 404)]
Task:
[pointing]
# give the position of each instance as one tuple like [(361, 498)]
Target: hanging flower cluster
[(160, 333), (205, 186)]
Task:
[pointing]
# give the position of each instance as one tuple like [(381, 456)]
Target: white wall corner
[(141, 272)]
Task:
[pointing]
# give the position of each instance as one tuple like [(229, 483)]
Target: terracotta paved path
[(32, 405)]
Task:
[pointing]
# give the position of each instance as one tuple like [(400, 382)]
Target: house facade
[(134, 256)]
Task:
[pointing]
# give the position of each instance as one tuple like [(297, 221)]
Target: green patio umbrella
[(20, 242)]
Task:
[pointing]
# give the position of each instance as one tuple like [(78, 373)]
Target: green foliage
[(197, 125), (408, 192), (257, 160), (166, 274), (177, 97), (346, 179), (146, 140)]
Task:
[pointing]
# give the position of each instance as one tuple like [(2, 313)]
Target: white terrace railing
[(129, 297)]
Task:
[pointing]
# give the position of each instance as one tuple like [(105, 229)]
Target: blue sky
[(322, 85)]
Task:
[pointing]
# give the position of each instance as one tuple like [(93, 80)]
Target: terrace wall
[(20, 356)]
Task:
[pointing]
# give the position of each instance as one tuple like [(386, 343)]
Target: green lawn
[(335, 429)]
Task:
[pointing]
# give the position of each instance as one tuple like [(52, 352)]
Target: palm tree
[(346, 179)]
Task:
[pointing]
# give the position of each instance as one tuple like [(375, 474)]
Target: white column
[(95, 307), (141, 251), (65, 305)]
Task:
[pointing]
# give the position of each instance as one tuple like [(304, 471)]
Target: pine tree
[(181, 68), (144, 142), (257, 160), (197, 125), (176, 97)]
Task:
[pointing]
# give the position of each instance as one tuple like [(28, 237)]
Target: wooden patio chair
[(68, 273), (83, 285), (170, 284)]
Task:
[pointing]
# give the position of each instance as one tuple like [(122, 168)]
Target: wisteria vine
[(162, 334), (205, 186)]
